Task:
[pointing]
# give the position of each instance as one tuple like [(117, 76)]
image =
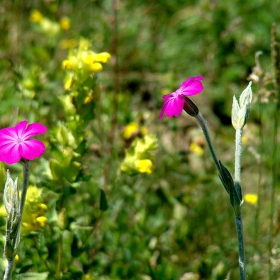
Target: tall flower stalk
[(16, 145), (178, 101)]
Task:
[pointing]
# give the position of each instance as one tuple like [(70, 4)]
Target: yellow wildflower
[(130, 129), (251, 198), (35, 16), (65, 23), (196, 149), (67, 64), (144, 166), (103, 57), (67, 44), (95, 67), (32, 218)]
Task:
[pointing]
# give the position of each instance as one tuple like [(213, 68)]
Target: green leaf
[(103, 201)]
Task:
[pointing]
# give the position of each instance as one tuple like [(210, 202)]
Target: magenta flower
[(15, 142), (174, 102)]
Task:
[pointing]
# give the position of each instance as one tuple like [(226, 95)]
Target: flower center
[(19, 140)]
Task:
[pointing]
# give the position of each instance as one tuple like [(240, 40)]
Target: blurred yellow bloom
[(196, 149), (16, 259), (130, 129), (95, 67), (67, 44), (103, 57), (65, 23), (35, 16), (68, 82), (244, 140), (3, 212), (32, 218), (41, 221), (67, 64), (144, 166), (251, 198), (139, 157), (89, 57)]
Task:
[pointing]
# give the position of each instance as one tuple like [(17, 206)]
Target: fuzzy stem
[(238, 151), (9, 270), (238, 217)]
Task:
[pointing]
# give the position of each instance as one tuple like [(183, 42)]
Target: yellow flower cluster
[(48, 26), (138, 158), (82, 62), (133, 129), (34, 210)]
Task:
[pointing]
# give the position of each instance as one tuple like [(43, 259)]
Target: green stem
[(202, 123), (26, 173), (241, 251)]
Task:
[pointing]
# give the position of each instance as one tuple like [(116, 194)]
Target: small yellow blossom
[(144, 166), (67, 64), (196, 149), (41, 221), (89, 57), (67, 44), (103, 57), (251, 198), (68, 82), (130, 129), (16, 259), (65, 23), (95, 67), (35, 16), (32, 218), (244, 140)]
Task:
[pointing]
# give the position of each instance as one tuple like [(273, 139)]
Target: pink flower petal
[(15, 142), (35, 129), (192, 86), (9, 154), (19, 129), (31, 149), (173, 105)]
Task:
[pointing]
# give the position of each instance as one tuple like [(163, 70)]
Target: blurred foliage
[(175, 223)]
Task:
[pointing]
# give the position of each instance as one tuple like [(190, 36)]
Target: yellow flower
[(35, 16), (196, 149), (67, 44), (130, 129), (103, 57), (41, 221), (95, 67), (251, 198), (144, 166), (67, 64), (65, 23), (89, 57), (32, 218)]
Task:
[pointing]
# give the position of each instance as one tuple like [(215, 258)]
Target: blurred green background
[(177, 222)]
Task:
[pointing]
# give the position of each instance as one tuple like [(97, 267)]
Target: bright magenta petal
[(15, 142), (9, 153), (192, 86), (35, 129), (31, 149), (19, 129), (173, 105)]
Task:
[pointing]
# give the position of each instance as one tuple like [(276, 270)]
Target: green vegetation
[(120, 194)]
